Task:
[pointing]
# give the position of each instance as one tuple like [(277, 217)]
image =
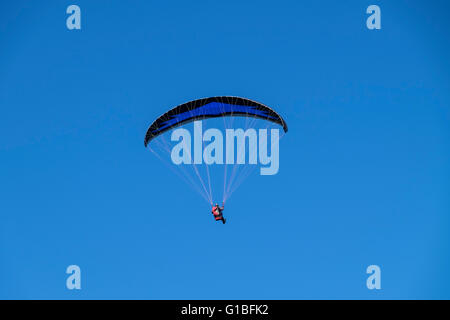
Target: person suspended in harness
[(217, 212)]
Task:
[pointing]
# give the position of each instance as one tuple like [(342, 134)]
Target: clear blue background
[(364, 172)]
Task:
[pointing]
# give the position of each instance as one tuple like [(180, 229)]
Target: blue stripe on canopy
[(211, 109)]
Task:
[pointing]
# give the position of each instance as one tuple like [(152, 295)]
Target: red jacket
[(217, 211)]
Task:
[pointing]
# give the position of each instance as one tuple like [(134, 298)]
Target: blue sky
[(364, 169)]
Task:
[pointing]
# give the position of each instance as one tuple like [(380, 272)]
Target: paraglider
[(218, 213), (243, 148)]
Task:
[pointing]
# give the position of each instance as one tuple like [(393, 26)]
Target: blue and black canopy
[(211, 108)]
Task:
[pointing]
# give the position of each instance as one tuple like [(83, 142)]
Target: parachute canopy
[(211, 108)]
